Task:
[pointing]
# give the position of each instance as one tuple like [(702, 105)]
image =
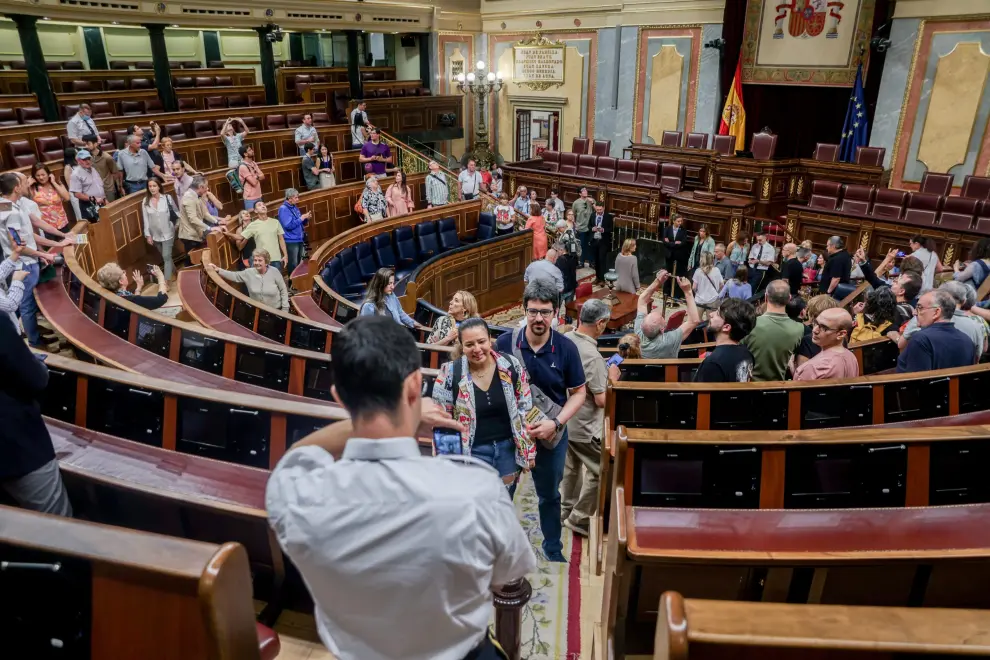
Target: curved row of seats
[(23, 154), (621, 170), (76, 65), (930, 206), (349, 271)]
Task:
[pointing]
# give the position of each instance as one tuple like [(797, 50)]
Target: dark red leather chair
[(224, 81), (922, 208), (269, 644), (275, 122), (606, 168), (183, 82), (579, 145), (255, 100), (671, 139), (152, 106), (856, 198), (18, 65), (8, 117), (825, 195), (294, 119), (424, 91), (764, 146), (187, 103), (214, 102), (319, 78), (725, 145), (870, 156), (119, 65), (826, 152), (626, 171), (49, 148), (20, 153), (191, 64), (568, 163), (252, 123), (73, 65), (132, 108), (82, 86), (647, 172), (203, 128), (53, 66), (101, 109), (30, 116), (976, 187), (69, 110), (117, 85), (671, 178), (889, 203), (174, 131), (214, 64), (118, 136), (141, 83), (697, 141), (321, 119), (205, 81), (587, 165), (551, 159), (144, 64), (398, 92), (237, 101), (958, 213), (933, 183), (601, 148)]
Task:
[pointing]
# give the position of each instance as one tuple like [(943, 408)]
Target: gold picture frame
[(538, 42)]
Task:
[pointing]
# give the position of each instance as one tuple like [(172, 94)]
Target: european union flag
[(854, 131)]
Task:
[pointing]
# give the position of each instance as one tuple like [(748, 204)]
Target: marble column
[(896, 66), (614, 112)]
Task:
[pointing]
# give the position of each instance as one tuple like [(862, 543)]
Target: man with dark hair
[(761, 257), (557, 379), (835, 274), (584, 208), (149, 139), (775, 336), (251, 176), (359, 124), (375, 155), (600, 229), (730, 361), (417, 543), (310, 168), (938, 345), (306, 134)]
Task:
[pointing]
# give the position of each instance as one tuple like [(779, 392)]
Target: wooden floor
[(300, 642)]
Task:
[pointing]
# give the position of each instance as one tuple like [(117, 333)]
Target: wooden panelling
[(286, 77), (199, 94), (417, 114), (18, 100)]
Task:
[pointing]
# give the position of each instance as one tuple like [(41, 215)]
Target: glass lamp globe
[(501, 75), (470, 77), (480, 65), (491, 77), (460, 77)]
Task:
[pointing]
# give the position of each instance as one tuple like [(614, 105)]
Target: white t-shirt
[(470, 183), (505, 217), (929, 260), (706, 288)]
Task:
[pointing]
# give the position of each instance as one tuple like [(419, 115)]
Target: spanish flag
[(733, 114)]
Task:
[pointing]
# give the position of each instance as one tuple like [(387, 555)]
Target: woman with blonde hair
[(627, 268), (707, 281), (488, 393), (629, 349), (463, 305), (738, 250)]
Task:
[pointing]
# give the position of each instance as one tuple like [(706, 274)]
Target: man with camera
[(417, 542)]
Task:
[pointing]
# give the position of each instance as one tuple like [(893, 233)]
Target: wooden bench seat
[(107, 347), (693, 629), (200, 307)]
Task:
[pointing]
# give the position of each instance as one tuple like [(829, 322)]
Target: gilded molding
[(766, 189), (864, 242), (734, 229), (800, 186), (790, 188), (907, 95), (950, 251), (711, 179)]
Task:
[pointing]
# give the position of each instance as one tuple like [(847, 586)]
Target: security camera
[(880, 44), (274, 33)]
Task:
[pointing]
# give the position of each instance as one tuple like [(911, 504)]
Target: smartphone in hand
[(14, 236), (447, 442)]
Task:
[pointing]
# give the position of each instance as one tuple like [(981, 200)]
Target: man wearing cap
[(113, 179), (86, 184)]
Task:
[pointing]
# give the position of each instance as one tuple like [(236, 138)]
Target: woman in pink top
[(399, 196), (538, 225), (49, 194)]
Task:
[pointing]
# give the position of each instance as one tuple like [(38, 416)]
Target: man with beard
[(730, 361), (557, 380)]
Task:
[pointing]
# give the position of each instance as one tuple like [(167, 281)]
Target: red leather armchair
[(626, 171), (826, 152), (671, 139), (825, 195), (587, 165), (870, 156), (579, 145), (551, 159), (647, 172), (889, 203), (601, 148), (697, 141), (568, 163), (725, 145), (856, 198), (922, 208), (764, 146), (606, 168)]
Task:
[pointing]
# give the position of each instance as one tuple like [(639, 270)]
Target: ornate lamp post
[(481, 85)]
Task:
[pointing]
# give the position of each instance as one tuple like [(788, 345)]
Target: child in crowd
[(504, 216)]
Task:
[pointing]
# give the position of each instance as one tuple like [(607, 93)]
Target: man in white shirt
[(761, 257), (80, 125), (416, 543), (359, 124), (469, 182)]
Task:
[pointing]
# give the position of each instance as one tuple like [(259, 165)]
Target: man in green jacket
[(775, 337)]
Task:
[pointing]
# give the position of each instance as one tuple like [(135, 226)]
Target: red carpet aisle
[(551, 623)]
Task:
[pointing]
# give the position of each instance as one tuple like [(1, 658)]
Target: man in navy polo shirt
[(554, 365)]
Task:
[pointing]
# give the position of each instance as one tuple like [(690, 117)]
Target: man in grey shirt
[(311, 180), (135, 163), (544, 269), (306, 134), (656, 344), (723, 264), (437, 190)]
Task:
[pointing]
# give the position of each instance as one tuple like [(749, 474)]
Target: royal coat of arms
[(807, 18)]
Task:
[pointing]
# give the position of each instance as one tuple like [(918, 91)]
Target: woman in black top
[(113, 278)]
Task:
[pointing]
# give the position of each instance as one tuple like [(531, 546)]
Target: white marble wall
[(709, 96), (903, 34), (613, 121)]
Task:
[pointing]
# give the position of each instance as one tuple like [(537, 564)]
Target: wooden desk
[(698, 163), (622, 313), (766, 181), (811, 170), (724, 217)]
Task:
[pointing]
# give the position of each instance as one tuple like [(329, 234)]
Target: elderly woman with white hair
[(263, 283), (113, 278), (373, 201)]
